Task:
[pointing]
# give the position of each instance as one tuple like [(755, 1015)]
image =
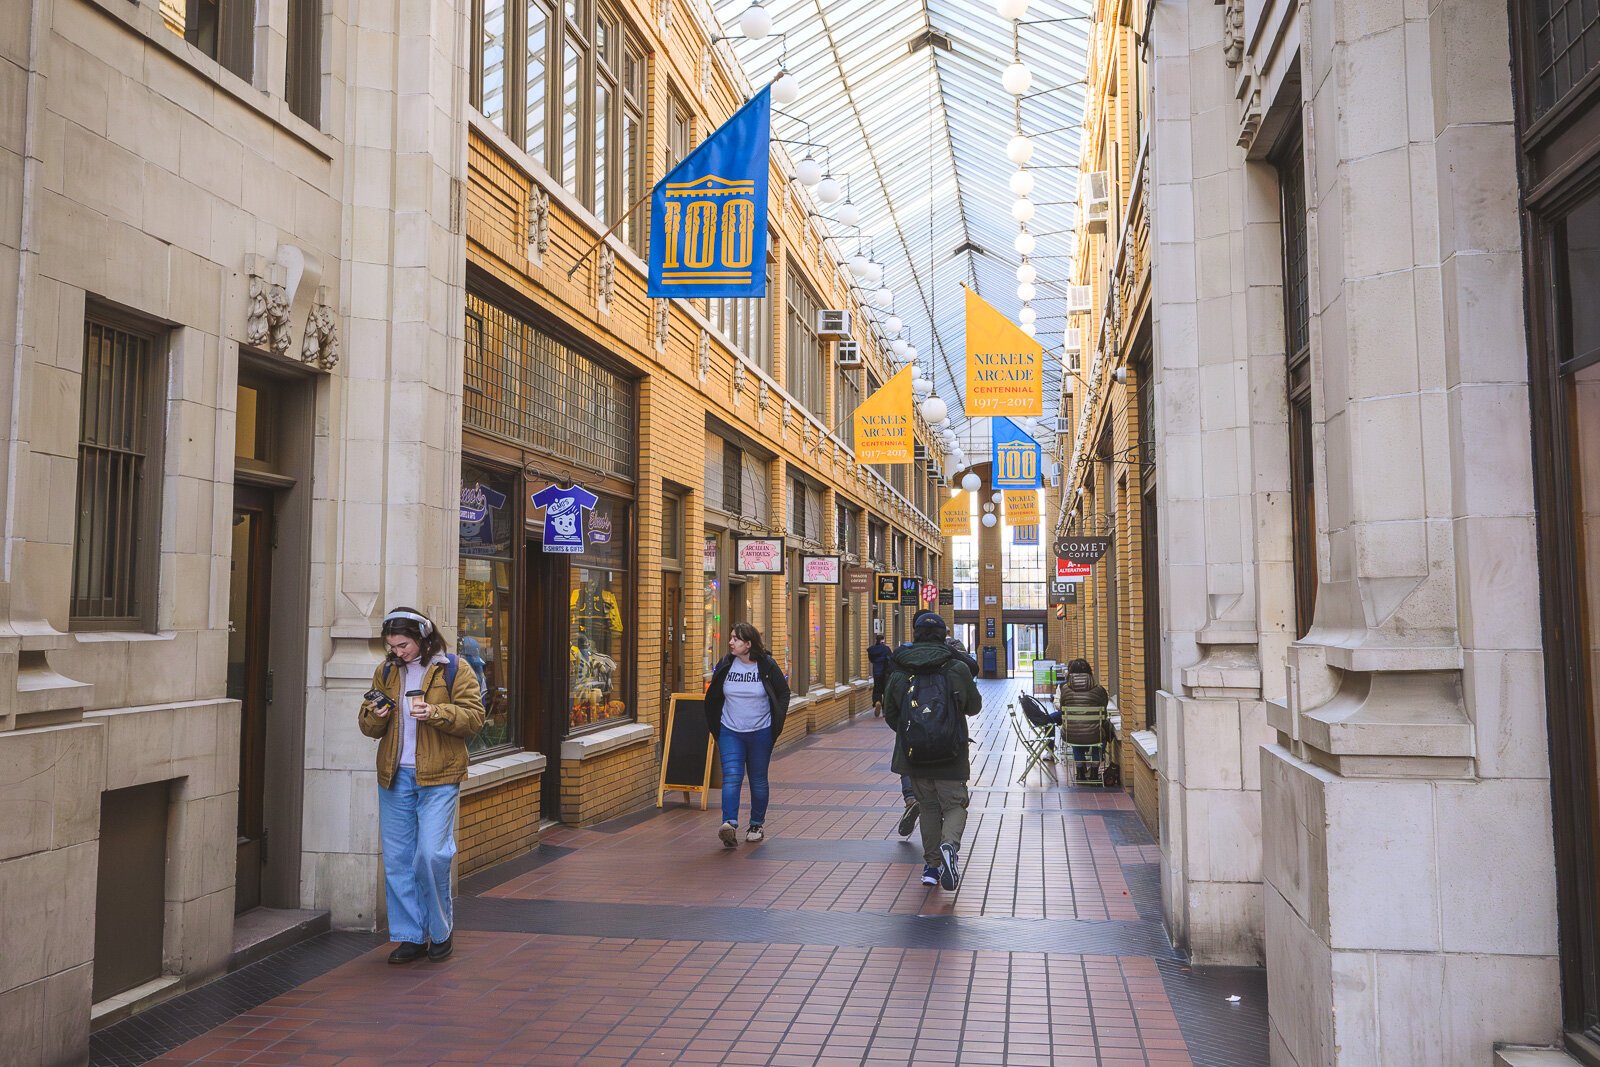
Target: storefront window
[(599, 654), (713, 609), (486, 596), (814, 622)]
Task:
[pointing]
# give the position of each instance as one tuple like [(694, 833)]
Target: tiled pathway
[(644, 941)]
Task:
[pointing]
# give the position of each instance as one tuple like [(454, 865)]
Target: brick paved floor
[(645, 941)]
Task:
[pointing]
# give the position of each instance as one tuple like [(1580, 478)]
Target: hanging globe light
[(944, 424), (989, 520), (809, 171), (1022, 210), (1019, 149), (1011, 9), (858, 265), (884, 297), (921, 386), (848, 214), (899, 347), (970, 482), (1017, 78), (892, 325), (934, 408), (756, 22), (1025, 243), (829, 189), (1029, 328), (874, 272), (997, 496), (1026, 292), (1027, 314), (1027, 274), (1022, 183), (786, 90)]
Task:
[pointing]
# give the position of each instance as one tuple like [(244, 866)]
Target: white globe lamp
[(848, 215), (858, 265), (921, 386), (997, 496), (1027, 274), (899, 347), (884, 297), (1017, 78), (1027, 315), (1022, 183), (1011, 9), (970, 482), (934, 409), (786, 90), (829, 190), (756, 22), (944, 423), (1026, 292), (809, 171), (1022, 210), (874, 272), (1019, 149), (1025, 243), (1029, 328), (893, 325), (989, 520)]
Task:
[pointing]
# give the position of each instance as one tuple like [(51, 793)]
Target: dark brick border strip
[(482, 881), (1219, 1034), (672, 922), (164, 1027)]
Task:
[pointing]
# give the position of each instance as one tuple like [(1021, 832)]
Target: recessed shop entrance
[(546, 654)]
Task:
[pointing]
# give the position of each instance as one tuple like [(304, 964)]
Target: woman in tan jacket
[(421, 708)]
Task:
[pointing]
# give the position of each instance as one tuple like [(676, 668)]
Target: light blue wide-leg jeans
[(417, 824)]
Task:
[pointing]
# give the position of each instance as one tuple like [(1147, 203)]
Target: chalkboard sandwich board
[(686, 750)]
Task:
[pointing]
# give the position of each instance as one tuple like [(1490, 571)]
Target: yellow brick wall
[(497, 823), (610, 784)]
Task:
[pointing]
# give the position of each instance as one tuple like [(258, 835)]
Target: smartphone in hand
[(381, 704)]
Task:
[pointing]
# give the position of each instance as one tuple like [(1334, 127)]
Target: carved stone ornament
[(788, 410), (738, 376), (763, 397), (278, 318), (608, 275), (541, 222), (256, 330), (1250, 120), (321, 344), (1233, 32), (705, 72), (704, 354), (661, 324), (664, 13)]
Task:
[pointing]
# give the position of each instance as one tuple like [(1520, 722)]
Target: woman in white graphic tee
[(745, 707)]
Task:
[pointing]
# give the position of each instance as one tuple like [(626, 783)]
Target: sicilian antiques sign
[(819, 570), (564, 516), (1082, 549), (758, 555)]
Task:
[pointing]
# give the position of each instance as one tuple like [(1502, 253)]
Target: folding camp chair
[(1084, 729), (1036, 731)]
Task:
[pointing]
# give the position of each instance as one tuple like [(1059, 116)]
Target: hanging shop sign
[(1082, 549), (1022, 507), (564, 516), (930, 594), (819, 570), (1015, 456), (758, 555), (1060, 588), (1004, 365), (888, 589), (858, 579), (478, 505), (1072, 572), (910, 592), (947, 598), (955, 517), (1022, 536)]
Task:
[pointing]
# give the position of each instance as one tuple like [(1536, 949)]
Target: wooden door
[(250, 680)]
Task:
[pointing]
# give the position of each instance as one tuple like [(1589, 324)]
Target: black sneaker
[(440, 950), (407, 951), (950, 870), (755, 834), (908, 818), (930, 876)]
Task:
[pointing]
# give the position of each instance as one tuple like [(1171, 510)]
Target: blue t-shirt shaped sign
[(563, 516)]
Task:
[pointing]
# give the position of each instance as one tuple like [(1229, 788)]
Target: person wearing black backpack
[(929, 696), (422, 708)]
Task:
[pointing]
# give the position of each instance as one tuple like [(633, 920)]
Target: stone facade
[(1360, 801)]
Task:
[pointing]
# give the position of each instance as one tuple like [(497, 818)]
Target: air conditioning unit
[(1095, 194), (1079, 298), (848, 353), (1072, 339), (833, 322)]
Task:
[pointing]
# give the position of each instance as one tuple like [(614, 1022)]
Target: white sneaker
[(729, 833), (754, 834)]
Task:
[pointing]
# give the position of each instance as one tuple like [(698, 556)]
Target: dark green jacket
[(921, 658)]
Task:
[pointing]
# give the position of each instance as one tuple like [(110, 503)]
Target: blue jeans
[(908, 793), (418, 828), (742, 752)]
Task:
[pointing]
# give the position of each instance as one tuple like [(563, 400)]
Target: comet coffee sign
[(1082, 549)]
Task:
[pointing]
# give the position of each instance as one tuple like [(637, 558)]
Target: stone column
[(389, 526), (1410, 900), (1222, 484)]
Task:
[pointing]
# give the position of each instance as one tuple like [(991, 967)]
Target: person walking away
[(879, 652), (745, 707), (1081, 691), (927, 700), (422, 708)]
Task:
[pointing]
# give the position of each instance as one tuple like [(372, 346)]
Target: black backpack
[(931, 729)]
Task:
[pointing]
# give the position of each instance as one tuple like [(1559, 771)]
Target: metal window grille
[(1566, 46), (526, 386), (672, 528), (113, 564), (805, 382), (1296, 284)]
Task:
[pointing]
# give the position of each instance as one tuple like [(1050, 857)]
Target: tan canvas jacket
[(442, 737)]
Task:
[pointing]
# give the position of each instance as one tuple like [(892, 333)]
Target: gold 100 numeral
[(1018, 463), (694, 236)]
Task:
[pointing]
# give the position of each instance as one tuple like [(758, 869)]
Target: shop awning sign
[(858, 579), (1082, 549)]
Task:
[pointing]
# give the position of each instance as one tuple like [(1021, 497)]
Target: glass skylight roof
[(907, 98)]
